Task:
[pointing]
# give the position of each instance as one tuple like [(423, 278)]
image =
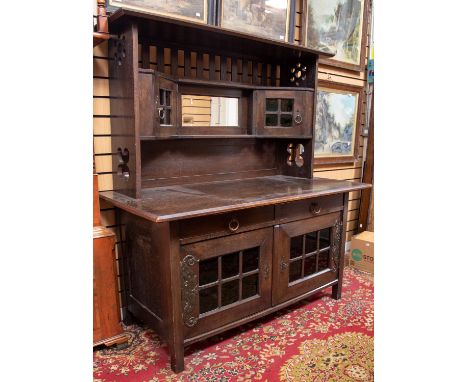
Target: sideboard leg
[(336, 291), (177, 357), (176, 326), (128, 318)]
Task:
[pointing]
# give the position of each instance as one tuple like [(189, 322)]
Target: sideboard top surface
[(164, 204)]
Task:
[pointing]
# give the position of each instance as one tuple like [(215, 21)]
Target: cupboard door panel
[(158, 104), (225, 279), (280, 112), (167, 99), (306, 255)]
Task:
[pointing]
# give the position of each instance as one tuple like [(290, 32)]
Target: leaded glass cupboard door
[(225, 279), (166, 104), (306, 255)]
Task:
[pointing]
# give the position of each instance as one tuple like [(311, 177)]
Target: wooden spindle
[(187, 65), (211, 63), (245, 71), (145, 56), (234, 69), (254, 72), (199, 65), (102, 25), (223, 68), (174, 61), (273, 75), (264, 74), (160, 59)]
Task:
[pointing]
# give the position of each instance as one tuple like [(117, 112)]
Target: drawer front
[(308, 208), (230, 223)]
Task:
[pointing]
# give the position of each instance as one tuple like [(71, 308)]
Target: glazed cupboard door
[(225, 279), (282, 112), (166, 95), (158, 104), (306, 255)]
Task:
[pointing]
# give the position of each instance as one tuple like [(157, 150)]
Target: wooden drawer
[(308, 208), (203, 228)]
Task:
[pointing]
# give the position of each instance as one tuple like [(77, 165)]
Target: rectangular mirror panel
[(198, 110)]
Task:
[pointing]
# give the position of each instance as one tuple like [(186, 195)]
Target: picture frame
[(266, 18), (339, 26), (199, 11), (338, 113)]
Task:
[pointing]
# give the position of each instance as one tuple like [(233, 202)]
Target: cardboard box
[(362, 252)]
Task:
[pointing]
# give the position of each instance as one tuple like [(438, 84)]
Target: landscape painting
[(193, 10), (336, 25), (336, 123), (267, 18)]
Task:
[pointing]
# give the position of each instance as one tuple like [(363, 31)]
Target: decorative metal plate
[(189, 280), (336, 247)]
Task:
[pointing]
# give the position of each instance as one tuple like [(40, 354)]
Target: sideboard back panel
[(183, 161)]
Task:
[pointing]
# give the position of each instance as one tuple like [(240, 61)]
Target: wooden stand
[(101, 33), (222, 224), (107, 329)]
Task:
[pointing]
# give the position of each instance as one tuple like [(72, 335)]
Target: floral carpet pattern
[(317, 340)]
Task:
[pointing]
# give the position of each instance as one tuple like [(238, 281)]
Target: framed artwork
[(341, 26), (266, 18), (337, 123), (190, 10)]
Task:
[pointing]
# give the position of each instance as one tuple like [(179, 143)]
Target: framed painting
[(266, 18), (189, 10), (337, 123), (340, 26)]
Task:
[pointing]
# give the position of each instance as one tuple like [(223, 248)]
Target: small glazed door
[(225, 279), (306, 255), (282, 112), (166, 96)]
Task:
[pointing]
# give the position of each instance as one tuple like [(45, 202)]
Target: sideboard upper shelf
[(208, 37)]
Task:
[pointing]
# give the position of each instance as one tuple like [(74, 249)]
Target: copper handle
[(315, 208), (233, 225)]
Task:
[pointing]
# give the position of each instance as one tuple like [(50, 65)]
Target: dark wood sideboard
[(221, 224)]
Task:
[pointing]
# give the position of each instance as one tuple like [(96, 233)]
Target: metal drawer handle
[(315, 208), (233, 225), (298, 119)]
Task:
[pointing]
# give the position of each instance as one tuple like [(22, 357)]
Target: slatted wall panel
[(344, 172), (198, 64)]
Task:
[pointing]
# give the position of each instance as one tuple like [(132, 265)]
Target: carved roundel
[(298, 74), (295, 154), (120, 52)]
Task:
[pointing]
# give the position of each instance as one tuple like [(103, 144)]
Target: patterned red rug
[(319, 339)]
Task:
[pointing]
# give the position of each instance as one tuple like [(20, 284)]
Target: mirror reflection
[(200, 110)]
